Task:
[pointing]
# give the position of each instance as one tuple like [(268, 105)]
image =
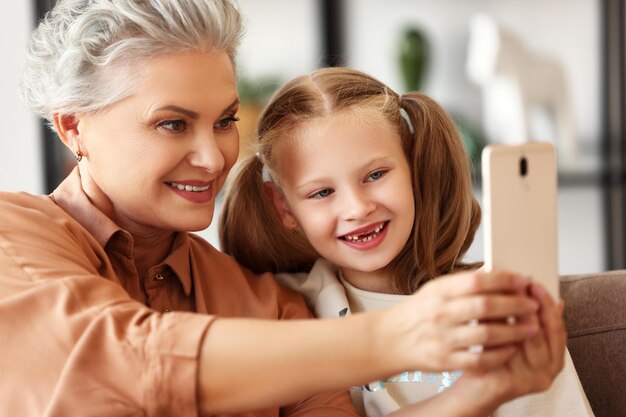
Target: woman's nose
[(207, 154), (357, 205)]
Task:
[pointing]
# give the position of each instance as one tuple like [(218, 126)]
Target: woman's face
[(157, 159)]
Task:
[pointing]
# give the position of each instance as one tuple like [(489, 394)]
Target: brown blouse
[(82, 334)]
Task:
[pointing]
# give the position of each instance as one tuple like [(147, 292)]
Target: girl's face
[(347, 184), (157, 159)]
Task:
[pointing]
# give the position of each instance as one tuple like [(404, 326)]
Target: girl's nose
[(357, 205)]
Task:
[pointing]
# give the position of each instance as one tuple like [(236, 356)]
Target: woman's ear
[(279, 201), (66, 126)]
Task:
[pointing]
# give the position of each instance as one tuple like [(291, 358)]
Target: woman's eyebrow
[(192, 114), (234, 103), (189, 113)]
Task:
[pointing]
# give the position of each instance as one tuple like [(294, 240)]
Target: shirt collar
[(179, 260), (71, 197)]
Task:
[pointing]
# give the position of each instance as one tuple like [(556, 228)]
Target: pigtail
[(447, 214), (251, 231)]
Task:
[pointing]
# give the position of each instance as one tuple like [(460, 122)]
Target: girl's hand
[(433, 327)]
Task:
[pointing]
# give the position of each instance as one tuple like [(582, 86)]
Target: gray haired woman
[(109, 306)]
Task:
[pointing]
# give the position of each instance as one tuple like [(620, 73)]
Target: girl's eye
[(322, 193), (176, 126), (227, 123), (375, 176)]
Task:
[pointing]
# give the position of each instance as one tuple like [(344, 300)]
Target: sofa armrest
[(595, 316)]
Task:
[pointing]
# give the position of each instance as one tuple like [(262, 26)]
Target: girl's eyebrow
[(312, 182)]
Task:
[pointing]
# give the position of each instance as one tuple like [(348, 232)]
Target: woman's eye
[(375, 176), (322, 193), (227, 123), (175, 126)]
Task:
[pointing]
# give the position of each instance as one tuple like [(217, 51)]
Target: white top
[(330, 296)]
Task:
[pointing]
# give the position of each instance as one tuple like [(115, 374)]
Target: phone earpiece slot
[(523, 166)]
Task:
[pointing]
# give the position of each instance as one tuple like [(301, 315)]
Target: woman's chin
[(193, 225), (198, 228)]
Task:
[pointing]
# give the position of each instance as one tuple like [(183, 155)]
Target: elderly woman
[(108, 306)]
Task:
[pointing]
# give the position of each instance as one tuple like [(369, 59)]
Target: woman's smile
[(193, 190), (162, 154)]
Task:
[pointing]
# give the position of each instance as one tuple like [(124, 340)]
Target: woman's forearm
[(250, 364)]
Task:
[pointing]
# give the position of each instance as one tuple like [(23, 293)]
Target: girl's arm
[(249, 364)]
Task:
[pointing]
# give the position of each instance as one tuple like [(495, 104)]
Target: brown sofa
[(595, 316)]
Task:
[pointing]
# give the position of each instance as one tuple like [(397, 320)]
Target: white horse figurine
[(525, 94)]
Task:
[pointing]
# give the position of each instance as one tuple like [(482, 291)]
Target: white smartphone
[(520, 211)]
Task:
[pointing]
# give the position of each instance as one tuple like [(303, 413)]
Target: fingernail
[(539, 290), (532, 306), (532, 329), (521, 280)]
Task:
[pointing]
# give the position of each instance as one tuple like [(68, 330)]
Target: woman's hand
[(532, 368), (433, 328)]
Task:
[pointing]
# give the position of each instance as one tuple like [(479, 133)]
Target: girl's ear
[(67, 128), (279, 201)]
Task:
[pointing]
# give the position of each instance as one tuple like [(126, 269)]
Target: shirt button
[(159, 277)]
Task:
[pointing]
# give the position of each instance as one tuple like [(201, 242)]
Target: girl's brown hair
[(447, 214)]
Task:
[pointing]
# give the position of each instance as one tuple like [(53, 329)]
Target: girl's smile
[(367, 237), (347, 184)]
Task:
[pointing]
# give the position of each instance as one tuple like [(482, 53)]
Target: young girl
[(370, 193)]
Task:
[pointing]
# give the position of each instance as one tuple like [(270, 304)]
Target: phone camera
[(523, 167)]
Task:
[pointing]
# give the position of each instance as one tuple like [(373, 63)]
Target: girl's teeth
[(354, 238)]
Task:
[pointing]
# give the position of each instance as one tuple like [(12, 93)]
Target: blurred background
[(507, 70)]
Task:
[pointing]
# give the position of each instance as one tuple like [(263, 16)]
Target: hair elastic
[(407, 119), (265, 171)]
